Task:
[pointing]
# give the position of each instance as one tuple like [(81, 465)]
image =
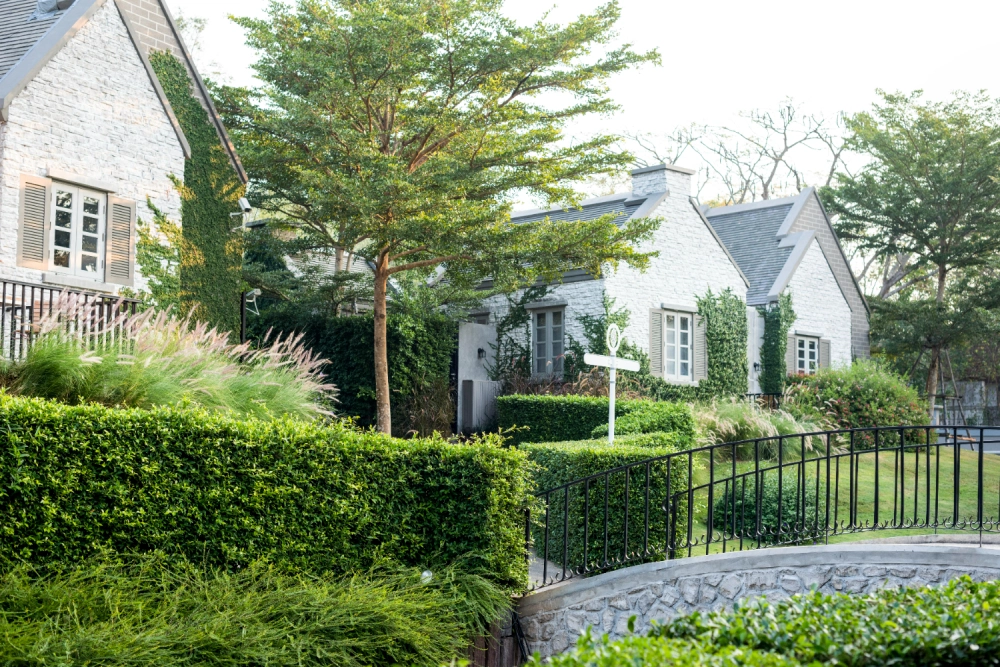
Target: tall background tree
[(926, 206), (401, 131)]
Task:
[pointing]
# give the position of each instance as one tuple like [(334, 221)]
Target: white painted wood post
[(612, 362)]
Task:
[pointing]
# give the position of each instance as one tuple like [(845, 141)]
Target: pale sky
[(721, 57)]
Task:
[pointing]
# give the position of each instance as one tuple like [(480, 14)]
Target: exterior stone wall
[(820, 305), (91, 111), (691, 261), (555, 617), (812, 218)]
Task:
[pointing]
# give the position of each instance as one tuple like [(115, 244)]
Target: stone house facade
[(87, 137)]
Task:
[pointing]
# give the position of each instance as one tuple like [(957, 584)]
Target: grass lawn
[(913, 497)]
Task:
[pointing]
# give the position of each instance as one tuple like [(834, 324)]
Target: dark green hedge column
[(726, 336), (778, 319), (212, 257)]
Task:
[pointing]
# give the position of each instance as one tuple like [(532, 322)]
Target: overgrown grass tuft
[(150, 613), (156, 358), (734, 420)]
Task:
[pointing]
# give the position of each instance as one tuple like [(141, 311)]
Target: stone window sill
[(62, 280)]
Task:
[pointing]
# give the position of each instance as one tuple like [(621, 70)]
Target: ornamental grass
[(81, 353)]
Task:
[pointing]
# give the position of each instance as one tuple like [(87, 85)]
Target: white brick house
[(87, 136), (789, 246), (758, 251)]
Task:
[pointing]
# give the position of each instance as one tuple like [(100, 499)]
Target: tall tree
[(928, 200), (401, 130)]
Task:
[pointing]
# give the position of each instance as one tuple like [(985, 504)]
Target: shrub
[(225, 492), (735, 421), (156, 358), (653, 417), (562, 462), (420, 351), (735, 509), (862, 395), (955, 624), (554, 418), (633, 651), (726, 333), (147, 613)]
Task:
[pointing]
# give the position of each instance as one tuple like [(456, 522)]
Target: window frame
[(677, 377), (802, 345), (554, 362), (78, 234)]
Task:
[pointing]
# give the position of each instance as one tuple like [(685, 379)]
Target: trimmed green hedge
[(735, 509), (956, 624), (420, 352), (654, 417), (563, 462), (224, 493), (564, 418), (637, 651)]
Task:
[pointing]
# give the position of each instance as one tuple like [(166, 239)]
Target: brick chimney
[(662, 178)]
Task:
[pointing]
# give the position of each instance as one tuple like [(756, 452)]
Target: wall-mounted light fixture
[(482, 353), (756, 366)]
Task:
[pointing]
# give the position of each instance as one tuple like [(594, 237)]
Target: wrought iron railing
[(785, 490), (23, 306)]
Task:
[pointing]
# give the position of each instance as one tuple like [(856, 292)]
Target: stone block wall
[(554, 618)]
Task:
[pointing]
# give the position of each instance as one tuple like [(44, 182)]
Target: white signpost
[(614, 341)]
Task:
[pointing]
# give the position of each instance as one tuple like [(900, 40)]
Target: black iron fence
[(786, 490), (23, 306)]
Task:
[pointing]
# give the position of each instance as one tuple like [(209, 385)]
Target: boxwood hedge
[(649, 651), (562, 418), (956, 624), (224, 492), (562, 462)]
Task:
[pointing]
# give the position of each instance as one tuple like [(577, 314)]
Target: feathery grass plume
[(99, 353), (151, 611), (736, 420)]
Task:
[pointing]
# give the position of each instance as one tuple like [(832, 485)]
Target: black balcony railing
[(785, 490), (23, 306)]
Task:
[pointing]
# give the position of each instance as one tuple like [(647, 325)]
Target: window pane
[(671, 329), (89, 224), (671, 367), (90, 244), (62, 239), (684, 323), (684, 354), (65, 219), (684, 369), (557, 318), (684, 338), (88, 263), (61, 258), (65, 200), (91, 205)]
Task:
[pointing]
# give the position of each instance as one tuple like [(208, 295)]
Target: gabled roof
[(28, 41), (759, 236), (624, 206)]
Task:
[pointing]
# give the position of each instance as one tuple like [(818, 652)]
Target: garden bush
[(224, 492), (634, 651), (956, 624), (796, 521), (654, 417), (550, 418), (151, 612), (420, 353), (157, 358), (858, 396), (562, 462)]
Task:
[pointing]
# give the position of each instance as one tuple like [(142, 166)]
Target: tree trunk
[(932, 378), (381, 347)]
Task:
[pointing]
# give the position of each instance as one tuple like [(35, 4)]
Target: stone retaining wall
[(554, 617)]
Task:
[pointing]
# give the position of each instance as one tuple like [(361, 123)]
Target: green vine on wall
[(726, 333), (211, 258), (778, 320)]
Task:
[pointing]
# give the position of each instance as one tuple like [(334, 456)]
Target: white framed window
[(77, 234), (549, 333), (806, 355), (678, 361)]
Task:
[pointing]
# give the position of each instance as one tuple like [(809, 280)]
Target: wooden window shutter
[(790, 357), (700, 349), (119, 265), (824, 353), (33, 222), (656, 343)]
